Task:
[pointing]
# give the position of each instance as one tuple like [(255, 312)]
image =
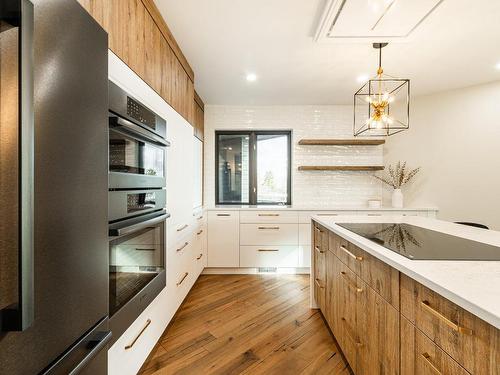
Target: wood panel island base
[(387, 323)]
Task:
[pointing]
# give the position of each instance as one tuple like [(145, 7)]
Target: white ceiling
[(458, 45)]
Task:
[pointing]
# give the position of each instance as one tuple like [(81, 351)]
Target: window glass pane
[(234, 176), (272, 168)]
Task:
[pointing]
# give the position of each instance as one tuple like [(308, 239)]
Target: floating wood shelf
[(341, 142), (341, 168)]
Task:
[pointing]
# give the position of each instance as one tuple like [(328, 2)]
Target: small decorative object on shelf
[(374, 203), (398, 176)]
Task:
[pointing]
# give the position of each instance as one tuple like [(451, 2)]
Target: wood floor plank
[(247, 324)]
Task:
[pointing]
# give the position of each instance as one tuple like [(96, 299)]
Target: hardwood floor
[(247, 324)]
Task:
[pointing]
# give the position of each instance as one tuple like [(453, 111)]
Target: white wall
[(455, 137), (315, 189)]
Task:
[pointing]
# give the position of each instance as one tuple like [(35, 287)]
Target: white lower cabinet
[(223, 239), (269, 256), (269, 234)]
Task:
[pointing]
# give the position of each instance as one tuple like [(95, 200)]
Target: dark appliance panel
[(70, 259), (125, 106)]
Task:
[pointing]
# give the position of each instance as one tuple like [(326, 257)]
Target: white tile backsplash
[(320, 188)]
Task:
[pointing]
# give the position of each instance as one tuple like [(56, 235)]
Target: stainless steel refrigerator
[(53, 189)]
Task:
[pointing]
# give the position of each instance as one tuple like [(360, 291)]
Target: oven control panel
[(140, 113)]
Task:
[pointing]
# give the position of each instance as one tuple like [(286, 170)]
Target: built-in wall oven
[(137, 208)]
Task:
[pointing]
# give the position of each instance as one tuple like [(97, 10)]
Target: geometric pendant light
[(382, 105)]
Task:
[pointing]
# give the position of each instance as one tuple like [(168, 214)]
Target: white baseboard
[(255, 271)]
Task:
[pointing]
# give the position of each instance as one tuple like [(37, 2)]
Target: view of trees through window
[(253, 167)]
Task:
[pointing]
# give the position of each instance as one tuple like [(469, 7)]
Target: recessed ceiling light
[(251, 77), (363, 78), (497, 66)]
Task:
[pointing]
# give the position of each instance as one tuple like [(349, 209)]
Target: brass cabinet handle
[(350, 283), (427, 306), (268, 250), (270, 228), (129, 346), (182, 228), (182, 279), (349, 335), (427, 359), (223, 214), (199, 217), (374, 215), (319, 250), (327, 214), (318, 230), (199, 232), (358, 258), (199, 257), (269, 214), (183, 246), (145, 249), (316, 281)]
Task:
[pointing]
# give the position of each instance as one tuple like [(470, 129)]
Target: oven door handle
[(136, 130), (135, 227)]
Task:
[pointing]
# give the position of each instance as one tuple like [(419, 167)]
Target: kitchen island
[(392, 314)]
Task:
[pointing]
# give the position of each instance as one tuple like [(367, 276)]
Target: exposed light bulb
[(251, 77)]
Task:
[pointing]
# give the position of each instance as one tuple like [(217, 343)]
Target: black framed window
[(253, 167)]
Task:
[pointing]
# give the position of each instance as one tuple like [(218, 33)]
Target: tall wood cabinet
[(139, 36)]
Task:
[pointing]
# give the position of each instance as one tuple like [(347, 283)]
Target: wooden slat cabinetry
[(387, 323), (199, 117), (136, 38), (365, 324), (470, 341)]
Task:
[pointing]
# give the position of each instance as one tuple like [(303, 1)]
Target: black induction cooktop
[(419, 243)]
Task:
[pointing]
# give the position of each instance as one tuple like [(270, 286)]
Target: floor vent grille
[(267, 269)]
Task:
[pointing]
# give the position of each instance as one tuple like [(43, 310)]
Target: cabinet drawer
[(465, 337), (257, 217), (349, 254), (269, 234), (420, 356), (269, 256)]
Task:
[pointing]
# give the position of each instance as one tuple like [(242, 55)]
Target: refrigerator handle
[(20, 14)]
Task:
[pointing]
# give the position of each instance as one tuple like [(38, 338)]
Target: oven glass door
[(135, 260), (134, 156)]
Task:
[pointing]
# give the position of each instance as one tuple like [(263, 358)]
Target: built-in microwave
[(137, 144)]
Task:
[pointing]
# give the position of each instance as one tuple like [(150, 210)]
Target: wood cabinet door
[(378, 332), (465, 337), (420, 356), (331, 292), (347, 298)]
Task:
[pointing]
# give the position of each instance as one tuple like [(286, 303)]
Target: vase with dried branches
[(398, 176)]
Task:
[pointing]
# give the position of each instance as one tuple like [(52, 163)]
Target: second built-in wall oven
[(137, 207)]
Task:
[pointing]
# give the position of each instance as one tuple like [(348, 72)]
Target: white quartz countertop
[(231, 207), (473, 285)]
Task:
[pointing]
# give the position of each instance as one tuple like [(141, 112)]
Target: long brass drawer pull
[(426, 305), (145, 249), (349, 335), (129, 346), (183, 278), (269, 214), (318, 230), (327, 214), (199, 217), (199, 257), (427, 360), (269, 228), (316, 281), (182, 228), (268, 250), (183, 246), (319, 250), (199, 232), (355, 257), (223, 214), (350, 283)]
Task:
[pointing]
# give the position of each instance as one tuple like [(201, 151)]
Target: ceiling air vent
[(372, 20)]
